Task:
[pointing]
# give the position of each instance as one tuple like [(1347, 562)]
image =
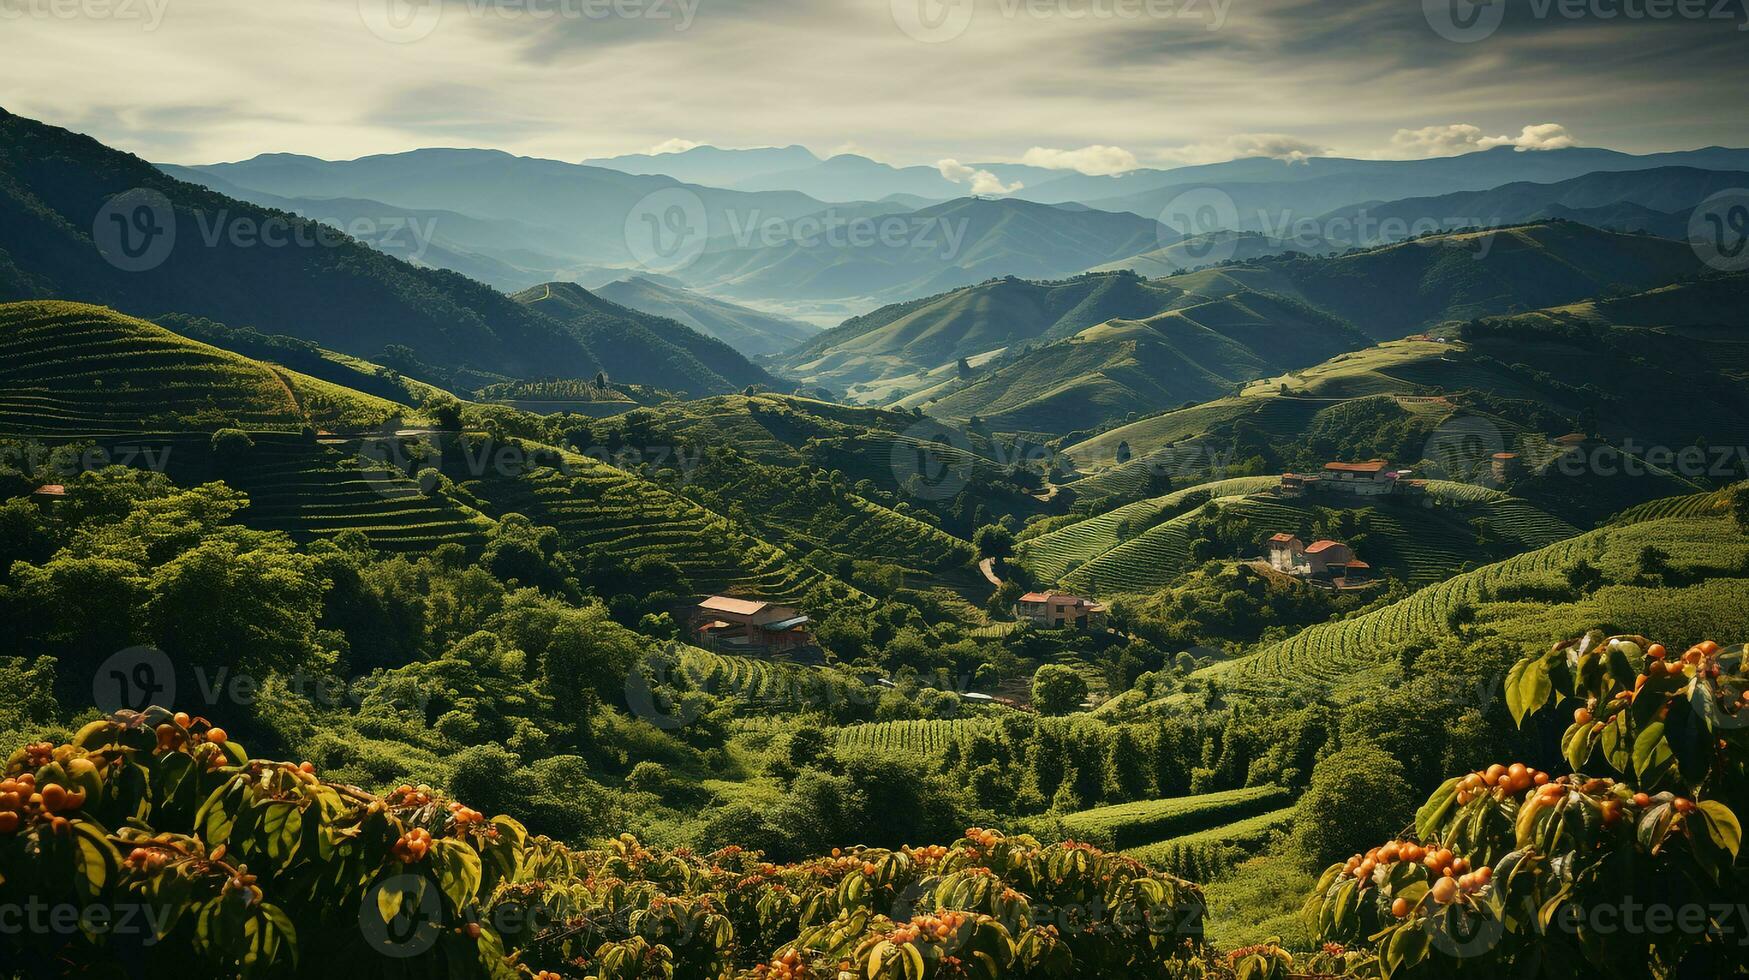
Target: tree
[(1057, 690), (1123, 453), (994, 541), (1357, 796), (1126, 768)]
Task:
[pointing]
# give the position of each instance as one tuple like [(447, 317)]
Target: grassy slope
[(1414, 542), (1108, 371), (1708, 599)]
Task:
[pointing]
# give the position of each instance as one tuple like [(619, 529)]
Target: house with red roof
[(1058, 609)]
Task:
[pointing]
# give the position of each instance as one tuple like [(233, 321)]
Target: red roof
[(1357, 563), (1505, 455), (1373, 466), (1281, 538), (1323, 545), (52, 490)]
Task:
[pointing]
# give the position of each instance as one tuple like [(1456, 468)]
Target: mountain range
[(81, 221)]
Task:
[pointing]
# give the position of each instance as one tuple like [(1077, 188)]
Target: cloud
[(1445, 141), (1276, 146), (676, 145), (1097, 160), (983, 181)]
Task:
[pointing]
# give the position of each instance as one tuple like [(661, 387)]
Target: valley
[(1072, 572)]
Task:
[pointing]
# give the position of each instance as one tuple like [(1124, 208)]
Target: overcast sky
[(905, 81)]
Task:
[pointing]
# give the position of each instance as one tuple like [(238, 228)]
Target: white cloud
[(1276, 146), (675, 145), (1445, 141), (983, 181), (1097, 160)]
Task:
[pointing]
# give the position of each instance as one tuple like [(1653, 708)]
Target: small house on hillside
[(1372, 478), (1323, 563), (1323, 555), (1056, 609), (1286, 553), (1297, 484), (750, 626)]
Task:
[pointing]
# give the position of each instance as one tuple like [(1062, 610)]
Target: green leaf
[(1652, 756), (1722, 826), (1437, 808), (1527, 687), (458, 870)]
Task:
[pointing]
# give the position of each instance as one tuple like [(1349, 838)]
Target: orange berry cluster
[(1501, 781), (929, 927), (20, 801), (788, 965), (405, 795), (147, 859), (413, 846), (985, 839), (925, 857), (465, 817)]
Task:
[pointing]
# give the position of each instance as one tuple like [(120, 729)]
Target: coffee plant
[(153, 844), (1628, 865)]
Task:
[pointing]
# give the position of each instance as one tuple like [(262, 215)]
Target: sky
[(1094, 85)]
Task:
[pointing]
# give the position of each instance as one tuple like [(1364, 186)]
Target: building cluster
[(1324, 563)]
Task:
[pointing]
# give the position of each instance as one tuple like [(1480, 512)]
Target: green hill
[(71, 370), (1146, 545), (1388, 292), (746, 330), (645, 349), (1107, 371), (880, 356), (1520, 602)]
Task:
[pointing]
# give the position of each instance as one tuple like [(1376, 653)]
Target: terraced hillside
[(1145, 545), (1704, 593), (71, 370), (1129, 825), (1053, 555), (312, 491), (604, 511)]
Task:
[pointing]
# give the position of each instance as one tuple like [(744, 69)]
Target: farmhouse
[(1286, 553), (49, 494), (1059, 609), (750, 625), (1372, 478), (1324, 563)]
